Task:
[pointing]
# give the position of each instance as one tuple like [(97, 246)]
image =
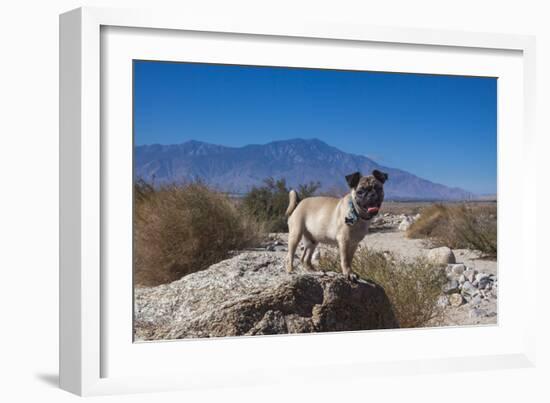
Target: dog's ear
[(381, 176), (353, 179)]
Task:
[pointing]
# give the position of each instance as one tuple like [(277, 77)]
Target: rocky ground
[(251, 293), (470, 297), (472, 278)]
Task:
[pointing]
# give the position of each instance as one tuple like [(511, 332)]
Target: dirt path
[(397, 243)]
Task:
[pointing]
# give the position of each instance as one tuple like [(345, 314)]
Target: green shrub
[(269, 202), (183, 229), (459, 226), (413, 287)]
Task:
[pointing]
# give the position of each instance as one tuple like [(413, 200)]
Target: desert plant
[(142, 191), (269, 202), (412, 286), (183, 229), (430, 224), (459, 226)]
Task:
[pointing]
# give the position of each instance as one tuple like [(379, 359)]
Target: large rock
[(442, 255), (252, 294)]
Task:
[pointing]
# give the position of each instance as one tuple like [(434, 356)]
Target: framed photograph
[(249, 202)]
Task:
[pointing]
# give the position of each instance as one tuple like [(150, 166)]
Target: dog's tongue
[(372, 210)]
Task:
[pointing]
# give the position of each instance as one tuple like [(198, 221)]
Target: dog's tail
[(293, 201)]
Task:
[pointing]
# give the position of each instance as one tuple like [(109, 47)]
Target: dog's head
[(367, 191)]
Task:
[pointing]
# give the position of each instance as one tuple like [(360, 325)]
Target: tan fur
[(322, 220), (293, 202)]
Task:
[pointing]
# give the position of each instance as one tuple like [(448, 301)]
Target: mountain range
[(238, 169)]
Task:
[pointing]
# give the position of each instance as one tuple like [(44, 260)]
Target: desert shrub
[(142, 191), (269, 202), (412, 286), (459, 226), (431, 223), (183, 229)]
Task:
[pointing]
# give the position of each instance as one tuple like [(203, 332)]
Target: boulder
[(442, 255), (252, 294)]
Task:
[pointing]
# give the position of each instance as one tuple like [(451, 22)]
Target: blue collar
[(353, 215)]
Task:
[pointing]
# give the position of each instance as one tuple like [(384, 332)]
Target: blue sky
[(441, 128)]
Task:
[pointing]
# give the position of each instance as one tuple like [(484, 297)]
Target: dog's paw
[(309, 267)]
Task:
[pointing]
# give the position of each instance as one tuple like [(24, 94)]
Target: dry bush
[(413, 287), (183, 229), (431, 223), (269, 202), (459, 226)]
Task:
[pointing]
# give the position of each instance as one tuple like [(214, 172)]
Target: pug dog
[(341, 222)]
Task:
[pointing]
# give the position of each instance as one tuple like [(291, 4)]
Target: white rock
[(470, 275), (405, 224), (455, 300), (442, 255), (484, 283), (462, 279), (480, 276), (378, 221), (468, 288), (458, 269), (451, 287), (488, 286), (476, 300)]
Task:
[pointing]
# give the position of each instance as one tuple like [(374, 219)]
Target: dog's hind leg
[(303, 258), (309, 248), (294, 235)]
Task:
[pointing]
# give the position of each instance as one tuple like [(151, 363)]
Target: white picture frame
[(96, 356)]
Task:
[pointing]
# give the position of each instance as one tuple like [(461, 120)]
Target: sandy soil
[(397, 243)]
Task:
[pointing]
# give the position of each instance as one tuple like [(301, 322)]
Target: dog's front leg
[(347, 250)]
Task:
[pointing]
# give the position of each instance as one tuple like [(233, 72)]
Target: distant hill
[(237, 169)]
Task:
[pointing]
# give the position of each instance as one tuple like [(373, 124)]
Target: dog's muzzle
[(373, 210)]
